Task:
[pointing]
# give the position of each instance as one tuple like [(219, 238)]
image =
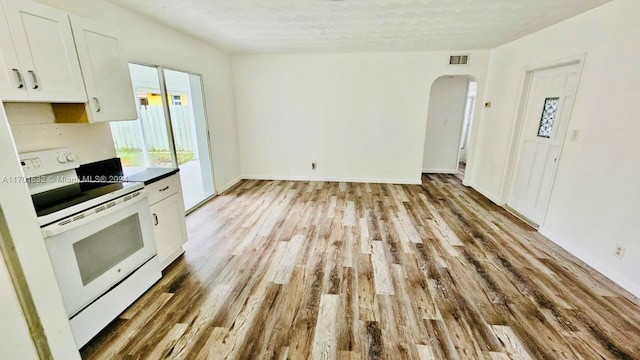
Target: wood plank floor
[(299, 270)]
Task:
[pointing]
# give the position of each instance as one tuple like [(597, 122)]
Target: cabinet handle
[(97, 104), (155, 220), (164, 188), (35, 79), (19, 76)]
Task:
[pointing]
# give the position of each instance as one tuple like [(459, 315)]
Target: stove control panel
[(47, 162)]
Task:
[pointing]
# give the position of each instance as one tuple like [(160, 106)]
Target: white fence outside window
[(127, 134)]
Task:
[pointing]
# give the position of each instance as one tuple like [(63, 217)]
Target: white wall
[(361, 117), (594, 203), (444, 124), (22, 224), (152, 43), (469, 113), (33, 128), (15, 340)]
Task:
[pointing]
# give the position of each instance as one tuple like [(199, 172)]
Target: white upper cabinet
[(105, 70), (44, 47), (12, 86)]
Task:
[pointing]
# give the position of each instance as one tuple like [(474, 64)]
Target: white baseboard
[(484, 192), (593, 262), (334, 179), (229, 185)]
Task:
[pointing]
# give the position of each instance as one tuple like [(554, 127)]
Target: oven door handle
[(91, 215)]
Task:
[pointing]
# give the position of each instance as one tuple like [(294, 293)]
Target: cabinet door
[(47, 54), (105, 70), (169, 228), (12, 86)]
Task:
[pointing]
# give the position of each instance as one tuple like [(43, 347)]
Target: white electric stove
[(99, 235)]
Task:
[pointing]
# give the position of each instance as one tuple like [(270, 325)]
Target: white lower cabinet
[(168, 215)]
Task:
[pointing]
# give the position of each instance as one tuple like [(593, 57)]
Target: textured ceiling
[(268, 26)]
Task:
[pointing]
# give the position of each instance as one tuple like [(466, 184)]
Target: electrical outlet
[(314, 165), (619, 251)]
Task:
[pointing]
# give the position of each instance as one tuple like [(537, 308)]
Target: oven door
[(93, 251)]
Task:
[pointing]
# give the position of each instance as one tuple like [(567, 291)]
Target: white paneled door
[(546, 116)]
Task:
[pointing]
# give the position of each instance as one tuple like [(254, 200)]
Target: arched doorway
[(451, 110)]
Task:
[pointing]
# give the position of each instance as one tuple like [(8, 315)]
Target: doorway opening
[(547, 101), (449, 121)]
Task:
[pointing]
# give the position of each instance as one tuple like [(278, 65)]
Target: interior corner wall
[(152, 43), (359, 116), (594, 203)]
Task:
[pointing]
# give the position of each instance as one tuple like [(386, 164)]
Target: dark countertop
[(148, 175)]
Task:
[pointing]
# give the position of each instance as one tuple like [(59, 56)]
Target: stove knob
[(62, 159), (70, 157)]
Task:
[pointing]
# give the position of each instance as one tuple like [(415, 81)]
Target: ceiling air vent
[(459, 60)]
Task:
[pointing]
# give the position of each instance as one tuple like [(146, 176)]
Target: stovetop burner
[(65, 197), (61, 187)]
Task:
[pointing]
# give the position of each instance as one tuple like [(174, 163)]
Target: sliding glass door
[(190, 135), (144, 142), (171, 129)]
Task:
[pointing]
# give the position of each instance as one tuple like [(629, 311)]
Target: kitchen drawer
[(164, 188)]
